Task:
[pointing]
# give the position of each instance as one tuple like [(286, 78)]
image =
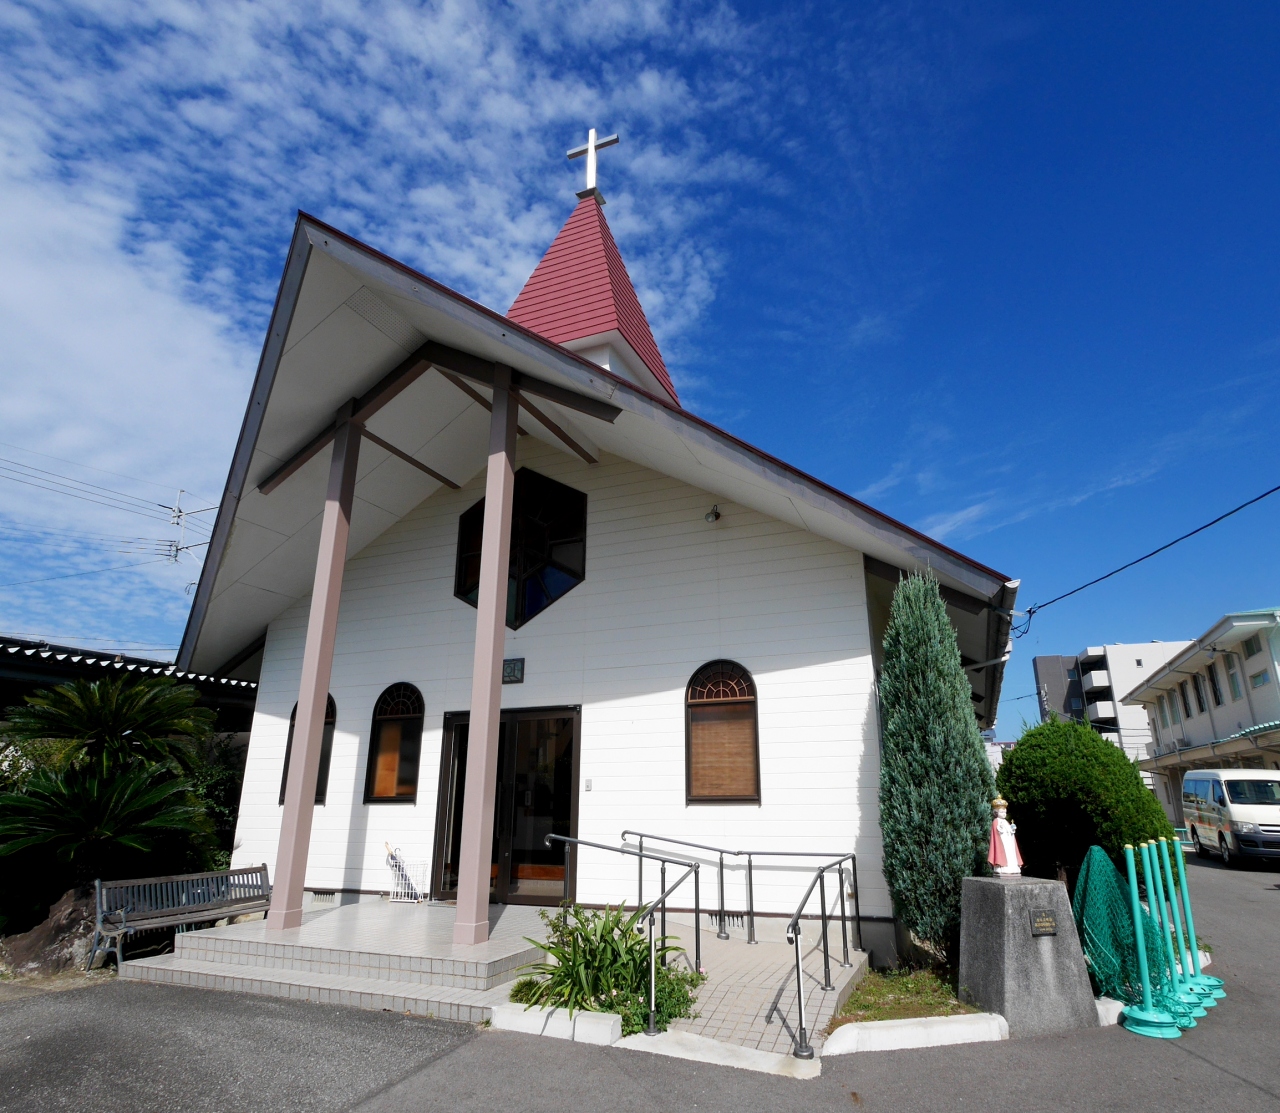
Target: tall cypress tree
[(935, 781)]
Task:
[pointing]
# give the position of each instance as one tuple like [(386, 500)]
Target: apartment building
[(1215, 704), (1087, 687)]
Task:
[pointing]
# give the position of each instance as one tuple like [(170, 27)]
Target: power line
[(33, 476), (140, 545), (68, 639), (56, 534), (101, 497), (87, 467), (91, 572), (1021, 628)]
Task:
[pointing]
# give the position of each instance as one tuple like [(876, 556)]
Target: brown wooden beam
[(554, 428), (482, 371), (313, 447), (569, 399), (475, 395), (408, 459), (445, 358)]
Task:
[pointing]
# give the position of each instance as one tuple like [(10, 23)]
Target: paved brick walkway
[(749, 997)]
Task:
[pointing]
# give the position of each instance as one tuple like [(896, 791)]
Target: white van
[(1235, 813)]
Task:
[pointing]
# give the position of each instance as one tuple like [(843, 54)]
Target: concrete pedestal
[(1020, 955)]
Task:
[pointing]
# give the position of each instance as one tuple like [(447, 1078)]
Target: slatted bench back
[(163, 898)]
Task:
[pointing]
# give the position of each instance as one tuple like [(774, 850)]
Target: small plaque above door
[(513, 670)]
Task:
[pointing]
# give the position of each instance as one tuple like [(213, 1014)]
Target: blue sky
[(1008, 272)]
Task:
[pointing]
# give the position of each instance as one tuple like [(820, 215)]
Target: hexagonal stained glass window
[(548, 547)]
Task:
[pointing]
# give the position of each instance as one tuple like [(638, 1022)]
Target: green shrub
[(1069, 788), (115, 721), (112, 778), (600, 963), (935, 780), (96, 826)]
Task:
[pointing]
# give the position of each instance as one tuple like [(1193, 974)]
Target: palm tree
[(114, 722), (90, 821)]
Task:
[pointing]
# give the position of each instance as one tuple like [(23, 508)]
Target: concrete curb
[(927, 1031), (1109, 1011), (602, 1029), (685, 1045)]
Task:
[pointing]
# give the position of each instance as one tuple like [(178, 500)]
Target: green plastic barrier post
[(1189, 982), (1214, 984), (1145, 1021), (1188, 1003)]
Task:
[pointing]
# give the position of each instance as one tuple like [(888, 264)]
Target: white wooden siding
[(664, 592)]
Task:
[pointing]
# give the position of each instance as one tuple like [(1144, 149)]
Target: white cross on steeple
[(589, 148)]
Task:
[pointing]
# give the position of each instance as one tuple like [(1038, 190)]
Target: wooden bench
[(146, 903)]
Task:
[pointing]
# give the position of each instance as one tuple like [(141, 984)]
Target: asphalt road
[(127, 1046)]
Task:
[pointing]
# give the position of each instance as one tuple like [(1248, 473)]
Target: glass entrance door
[(536, 796)]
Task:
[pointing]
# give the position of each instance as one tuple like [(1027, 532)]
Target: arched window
[(722, 749), (395, 743), (326, 751)]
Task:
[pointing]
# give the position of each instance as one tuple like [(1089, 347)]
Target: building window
[(1251, 646), (1075, 703), (1173, 708), (395, 744), (1138, 661), (1215, 687), (548, 547), (1186, 698), (1164, 713), (1197, 682), (1072, 675), (326, 751), (722, 750), (1233, 678), (1260, 679)]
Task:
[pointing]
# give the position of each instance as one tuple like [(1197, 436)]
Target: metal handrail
[(652, 1030), (804, 1049), (692, 867), (750, 855)]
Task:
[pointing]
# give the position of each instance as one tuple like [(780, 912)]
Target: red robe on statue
[(995, 849)]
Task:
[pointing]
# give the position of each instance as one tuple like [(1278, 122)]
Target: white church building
[(495, 582)]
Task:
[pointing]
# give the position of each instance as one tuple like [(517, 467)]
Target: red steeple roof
[(581, 288)]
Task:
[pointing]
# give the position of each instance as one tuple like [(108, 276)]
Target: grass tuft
[(901, 995)]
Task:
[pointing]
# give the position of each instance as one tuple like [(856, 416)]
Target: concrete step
[(473, 1006), (217, 948)]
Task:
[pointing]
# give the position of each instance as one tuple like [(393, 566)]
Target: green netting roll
[(1105, 923)]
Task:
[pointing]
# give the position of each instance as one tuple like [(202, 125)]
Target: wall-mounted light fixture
[(713, 515)]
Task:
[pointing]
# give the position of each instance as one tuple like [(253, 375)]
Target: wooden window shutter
[(723, 762)]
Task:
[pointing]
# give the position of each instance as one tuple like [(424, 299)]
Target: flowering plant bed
[(600, 963)]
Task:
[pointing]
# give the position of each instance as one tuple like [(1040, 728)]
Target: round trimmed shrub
[(1069, 788)]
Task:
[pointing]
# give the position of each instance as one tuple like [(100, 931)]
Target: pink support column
[(313, 692), (476, 856)]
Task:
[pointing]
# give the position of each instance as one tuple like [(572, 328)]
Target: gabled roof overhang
[(346, 317)]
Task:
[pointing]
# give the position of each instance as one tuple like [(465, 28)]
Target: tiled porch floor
[(403, 930), (402, 957)]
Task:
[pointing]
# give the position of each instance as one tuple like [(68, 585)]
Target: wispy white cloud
[(944, 525), (155, 151)]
